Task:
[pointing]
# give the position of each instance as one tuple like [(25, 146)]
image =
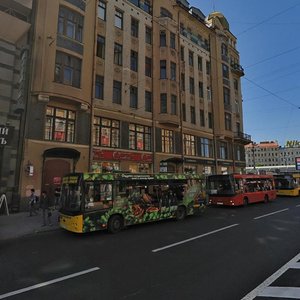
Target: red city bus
[(239, 189)]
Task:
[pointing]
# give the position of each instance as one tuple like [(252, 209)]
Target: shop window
[(167, 137), (60, 125), (106, 132), (139, 137), (189, 142)]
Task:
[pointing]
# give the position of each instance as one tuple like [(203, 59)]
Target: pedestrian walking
[(57, 198), (45, 205), (33, 199)]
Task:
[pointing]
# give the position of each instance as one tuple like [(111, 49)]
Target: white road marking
[(193, 238), (273, 213), (281, 292), (298, 205), (259, 290), (40, 285)]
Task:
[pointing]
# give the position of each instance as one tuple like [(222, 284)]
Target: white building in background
[(270, 156)]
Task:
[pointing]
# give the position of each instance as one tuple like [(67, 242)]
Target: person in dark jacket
[(45, 205)]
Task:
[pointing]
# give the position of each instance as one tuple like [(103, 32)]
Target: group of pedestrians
[(44, 203)]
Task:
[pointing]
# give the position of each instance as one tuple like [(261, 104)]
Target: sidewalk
[(20, 224)]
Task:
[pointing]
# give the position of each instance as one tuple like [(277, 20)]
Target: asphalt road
[(223, 254)]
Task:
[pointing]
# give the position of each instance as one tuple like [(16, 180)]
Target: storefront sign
[(121, 156), (6, 134)]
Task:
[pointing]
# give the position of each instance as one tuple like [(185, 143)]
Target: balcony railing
[(246, 138), (237, 69)]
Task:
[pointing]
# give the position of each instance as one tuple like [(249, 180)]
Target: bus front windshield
[(71, 197), (220, 185), (285, 183)]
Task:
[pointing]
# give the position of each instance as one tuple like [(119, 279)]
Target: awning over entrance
[(63, 153)]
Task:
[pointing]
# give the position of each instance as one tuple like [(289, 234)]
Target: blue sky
[(268, 33)]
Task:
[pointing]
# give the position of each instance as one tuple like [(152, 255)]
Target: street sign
[(6, 135), (297, 160)]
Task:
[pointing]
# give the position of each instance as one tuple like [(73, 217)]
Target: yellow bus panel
[(71, 223)]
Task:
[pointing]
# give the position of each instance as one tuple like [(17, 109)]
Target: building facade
[(138, 86), (270, 156), (15, 24)]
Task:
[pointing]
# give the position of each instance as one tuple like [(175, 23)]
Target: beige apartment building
[(138, 86)]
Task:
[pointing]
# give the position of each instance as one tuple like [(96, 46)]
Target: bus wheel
[(245, 201), (266, 199), (180, 213), (115, 224)]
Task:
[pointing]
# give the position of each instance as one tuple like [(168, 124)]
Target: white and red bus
[(240, 189)]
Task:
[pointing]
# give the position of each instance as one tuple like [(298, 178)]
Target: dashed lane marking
[(40, 285), (273, 213), (193, 238)]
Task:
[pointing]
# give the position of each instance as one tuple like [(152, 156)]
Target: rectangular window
[(207, 67), (163, 39), (119, 19), (147, 6), (102, 10), (192, 86), (70, 24), (228, 122), (148, 101), (236, 84), (200, 67), (118, 54), (223, 150), (172, 40), (182, 53), (133, 97), (182, 80), (225, 71), (201, 91), (134, 27), (183, 112), (202, 118), (99, 87), (173, 71), (226, 95), (148, 66), (67, 69), (173, 105), (167, 141), (163, 104), (100, 46), (148, 37), (193, 115), (163, 69), (139, 137), (189, 144), (191, 58), (208, 94), (60, 125), (206, 146), (106, 132), (117, 92), (134, 61), (210, 120)]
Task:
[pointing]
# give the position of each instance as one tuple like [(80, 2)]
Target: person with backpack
[(33, 199)]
